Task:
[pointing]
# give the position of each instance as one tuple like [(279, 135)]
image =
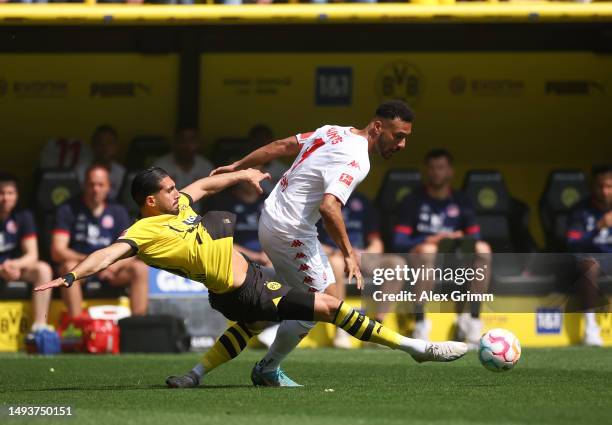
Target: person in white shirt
[(104, 145), (330, 163), (184, 164)]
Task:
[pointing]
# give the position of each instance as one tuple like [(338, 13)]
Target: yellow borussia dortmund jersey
[(180, 244)]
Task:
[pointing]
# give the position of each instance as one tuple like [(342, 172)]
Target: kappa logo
[(296, 243), (304, 267), (299, 255), (307, 279), (354, 164), (273, 286), (347, 179)]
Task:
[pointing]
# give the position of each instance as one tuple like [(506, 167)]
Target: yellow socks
[(366, 329), (228, 346)]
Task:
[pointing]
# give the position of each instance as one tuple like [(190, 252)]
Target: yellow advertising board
[(522, 113), (532, 329), (47, 96)]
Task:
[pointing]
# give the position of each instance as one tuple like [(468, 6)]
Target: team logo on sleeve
[(273, 286), (190, 220), (347, 179)]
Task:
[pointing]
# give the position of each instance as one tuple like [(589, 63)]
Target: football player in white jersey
[(329, 163)]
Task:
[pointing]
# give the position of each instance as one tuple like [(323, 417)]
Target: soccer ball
[(499, 350)]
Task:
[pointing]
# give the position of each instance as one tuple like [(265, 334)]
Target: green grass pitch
[(549, 386)]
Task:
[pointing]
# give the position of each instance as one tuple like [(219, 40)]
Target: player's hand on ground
[(351, 268), (53, 284), (224, 169), (255, 177)]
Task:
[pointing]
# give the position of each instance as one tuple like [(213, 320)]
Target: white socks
[(412, 346), (288, 336), (591, 322)]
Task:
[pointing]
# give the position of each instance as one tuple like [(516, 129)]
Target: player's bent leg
[(39, 273), (228, 346), (135, 273)]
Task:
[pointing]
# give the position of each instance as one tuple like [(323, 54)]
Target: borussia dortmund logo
[(400, 80), (273, 286)]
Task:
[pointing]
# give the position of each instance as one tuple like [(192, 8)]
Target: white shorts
[(297, 261)]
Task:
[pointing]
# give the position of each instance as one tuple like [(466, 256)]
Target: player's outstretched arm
[(208, 186), (92, 264), (331, 213), (263, 155)]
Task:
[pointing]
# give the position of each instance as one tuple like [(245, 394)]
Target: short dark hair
[(393, 109), (7, 178), (146, 183), (598, 170), (104, 128), (439, 153), (97, 166)]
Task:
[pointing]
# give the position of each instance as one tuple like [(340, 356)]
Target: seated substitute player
[(436, 218), (19, 249), (172, 236), (88, 223), (590, 234)]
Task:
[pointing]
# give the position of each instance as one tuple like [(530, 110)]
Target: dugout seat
[(495, 209), (125, 194), (563, 190), (144, 150), (397, 184), (504, 224), (52, 189)]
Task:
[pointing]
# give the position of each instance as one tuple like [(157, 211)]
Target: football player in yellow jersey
[(170, 235)]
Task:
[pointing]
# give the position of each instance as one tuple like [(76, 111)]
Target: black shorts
[(253, 301)]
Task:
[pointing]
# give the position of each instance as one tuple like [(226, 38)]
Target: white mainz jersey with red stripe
[(332, 160)]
